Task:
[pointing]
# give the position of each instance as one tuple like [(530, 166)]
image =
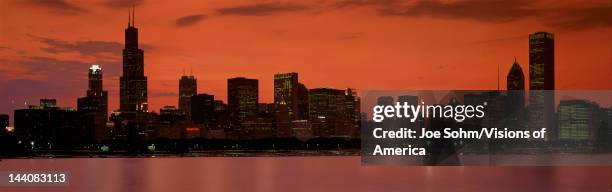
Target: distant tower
[(515, 83), (515, 79), (541, 61), (94, 107), (286, 90), (188, 87), (542, 83), (242, 98), (133, 82)]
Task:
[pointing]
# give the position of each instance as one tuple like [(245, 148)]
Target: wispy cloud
[(572, 16), (479, 10), (58, 6), (83, 47), (263, 9), (582, 18), (189, 20)]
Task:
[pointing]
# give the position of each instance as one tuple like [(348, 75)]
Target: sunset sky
[(46, 46)]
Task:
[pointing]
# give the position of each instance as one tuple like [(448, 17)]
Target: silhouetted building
[(387, 122), (4, 122), (170, 115), (541, 61), (542, 83), (170, 124), (286, 94), (353, 112), (49, 127), (578, 120), (94, 106), (286, 88), (242, 97), (515, 79), (515, 97), (405, 122), (203, 110), (133, 82), (302, 102), (261, 125), (48, 103), (188, 86), (328, 112)]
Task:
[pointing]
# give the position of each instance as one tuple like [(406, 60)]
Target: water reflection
[(302, 174)]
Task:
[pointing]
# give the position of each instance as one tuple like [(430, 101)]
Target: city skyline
[(56, 51)]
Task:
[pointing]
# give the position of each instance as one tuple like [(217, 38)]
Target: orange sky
[(46, 46)]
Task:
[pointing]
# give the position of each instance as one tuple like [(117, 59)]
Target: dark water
[(301, 174)]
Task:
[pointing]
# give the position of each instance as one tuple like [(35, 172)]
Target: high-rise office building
[(96, 99), (578, 120), (515, 85), (188, 87), (328, 112), (49, 127), (242, 98), (133, 82), (541, 61), (302, 102), (203, 110), (286, 90), (515, 79), (542, 83), (94, 106)]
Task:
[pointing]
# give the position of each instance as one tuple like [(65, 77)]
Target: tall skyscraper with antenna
[(133, 82)]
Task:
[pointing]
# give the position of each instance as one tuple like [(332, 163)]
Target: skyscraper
[(203, 110), (542, 83), (94, 106), (302, 101), (286, 88), (578, 120), (188, 87), (515, 79), (541, 61), (96, 99), (515, 98), (133, 82), (242, 98), (515, 84), (328, 112)]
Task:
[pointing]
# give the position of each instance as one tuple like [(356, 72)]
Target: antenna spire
[(133, 14), (129, 17)]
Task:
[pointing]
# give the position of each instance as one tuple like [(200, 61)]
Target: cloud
[(83, 47), (582, 18), (122, 3), (59, 6), (479, 10), (564, 17), (357, 3), (49, 67), (189, 20), (262, 9)]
